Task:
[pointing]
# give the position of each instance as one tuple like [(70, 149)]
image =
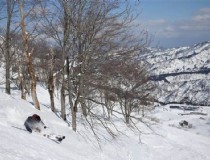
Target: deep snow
[(166, 141)]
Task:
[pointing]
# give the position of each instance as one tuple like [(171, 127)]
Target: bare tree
[(55, 25), (18, 65), (91, 34), (28, 54), (6, 46), (127, 84), (46, 60), (100, 34)]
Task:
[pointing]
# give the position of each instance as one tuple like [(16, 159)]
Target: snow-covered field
[(167, 140)]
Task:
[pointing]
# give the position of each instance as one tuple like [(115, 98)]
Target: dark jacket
[(34, 123)]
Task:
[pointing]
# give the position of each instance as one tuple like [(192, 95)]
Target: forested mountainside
[(182, 75)]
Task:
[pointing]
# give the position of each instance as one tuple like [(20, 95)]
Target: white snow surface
[(167, 140)]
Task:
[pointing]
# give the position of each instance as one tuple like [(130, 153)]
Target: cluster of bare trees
[(86, 48)]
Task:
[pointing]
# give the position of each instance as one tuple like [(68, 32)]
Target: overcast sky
[(176, 22)]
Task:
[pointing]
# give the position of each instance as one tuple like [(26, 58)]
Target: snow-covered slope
[(166, 141), (181, 74)]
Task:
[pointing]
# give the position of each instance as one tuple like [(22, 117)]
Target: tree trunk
[(107, 104), (64, 48), (69, 83), (84, 106), (73, 106), (7, 47), (74, 118), (82, 96), (8, 88), (51, 92), (51, 86), (28, 56), (33, 82), (22, 88), (63, 107), (74, 114), (63, 84), (81, 86), (127, 111)]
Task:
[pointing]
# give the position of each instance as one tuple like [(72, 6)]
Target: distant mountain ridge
[(182, 75)]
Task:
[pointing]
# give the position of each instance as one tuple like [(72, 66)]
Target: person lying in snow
[(34, 123)]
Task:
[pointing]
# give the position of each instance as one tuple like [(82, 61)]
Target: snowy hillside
[(181, 74), (165, 140)]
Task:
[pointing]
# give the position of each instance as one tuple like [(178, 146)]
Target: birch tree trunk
[(51, 86), (22, 86), (8, 46), (73, 109), (63, 107), (63, 84), (66, 32), (28, 56)]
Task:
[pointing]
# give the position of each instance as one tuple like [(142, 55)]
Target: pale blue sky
[(176, 22)]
